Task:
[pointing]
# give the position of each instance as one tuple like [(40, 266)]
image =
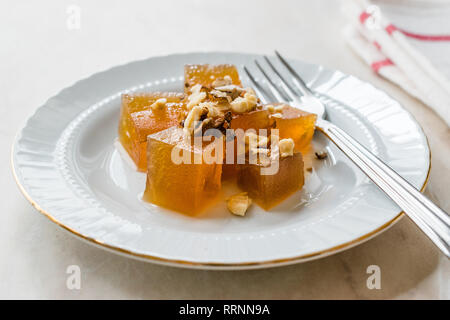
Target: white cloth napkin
[(408, 43)]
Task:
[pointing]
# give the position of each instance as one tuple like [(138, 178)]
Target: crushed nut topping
[(194, 115), (212, 110), (218, 93), (220, 122), (271, 108), (230, 88), (231, 92), (222, 98), (208, 116), (196, 96), (219, 82), (321, 155), (267, 148), (239, 203), (196, 88), (279, 108), (276, 115), (246, 103), (286, 147), (159, 104)]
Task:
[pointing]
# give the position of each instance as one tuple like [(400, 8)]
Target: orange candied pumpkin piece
[(206, 74), (256, 119), (269, 190), (150, 121), (298, 125), (184, 187), (138, 119)]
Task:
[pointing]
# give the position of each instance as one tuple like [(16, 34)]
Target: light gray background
[(40, 56)]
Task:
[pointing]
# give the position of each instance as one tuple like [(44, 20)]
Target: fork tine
[(298, 80), (278, 94), (262, 94), (286, 86)]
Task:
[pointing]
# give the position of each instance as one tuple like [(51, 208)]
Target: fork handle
[(431, 219)]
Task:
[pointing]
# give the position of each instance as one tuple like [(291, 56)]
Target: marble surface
[(43, 51)]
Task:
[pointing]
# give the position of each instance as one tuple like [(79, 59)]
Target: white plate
[(68, 167)]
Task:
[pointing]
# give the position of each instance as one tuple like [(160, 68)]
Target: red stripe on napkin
[(391, 28), (363, 16), (379, 64), (425, 37)]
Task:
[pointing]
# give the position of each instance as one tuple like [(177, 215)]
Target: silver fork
[(431, 219)]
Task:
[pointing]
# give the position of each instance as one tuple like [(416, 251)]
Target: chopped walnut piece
[(246, 103), (218, 93), (230, 88), (279, 108), (219, 82), (196, 96), (239, 203), (286, 147), (208, 116), (220, 122), (276, 115), (233, 91), (194, 115), (159, 104), (221, 98), (321, 155), (212, 110)]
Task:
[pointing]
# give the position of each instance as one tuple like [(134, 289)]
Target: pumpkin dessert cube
[(210, 76), (144, 114), (256, 119), (150, 121), (180, 175), (282, 177), (296, 124)]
